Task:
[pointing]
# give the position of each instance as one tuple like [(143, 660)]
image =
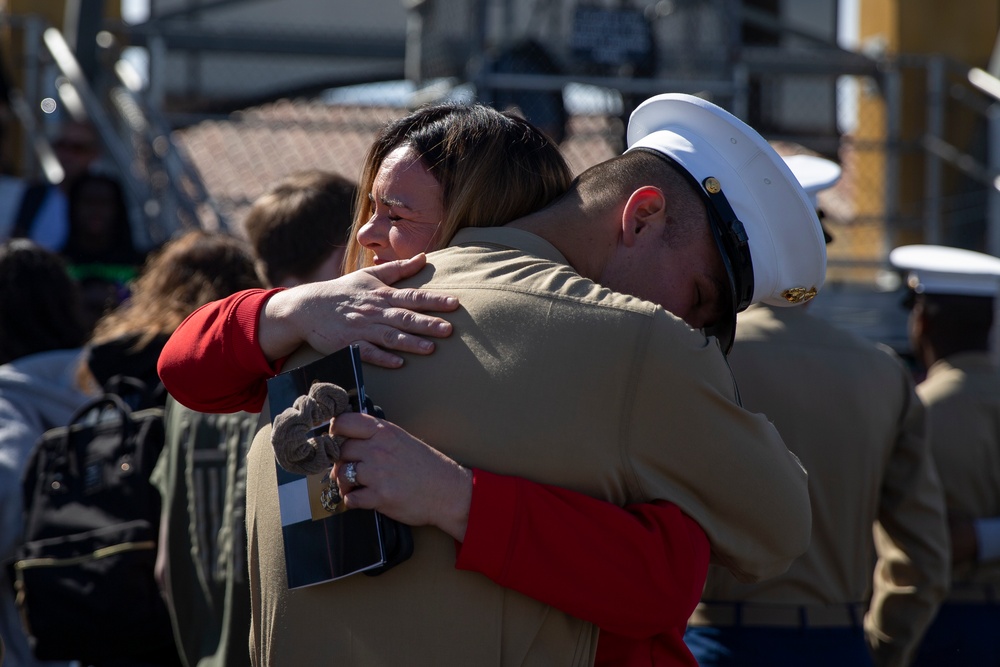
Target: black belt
[(974, 594), (747, 614)]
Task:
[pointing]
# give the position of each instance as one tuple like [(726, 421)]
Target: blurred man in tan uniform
[(953, 301), (847, 408)]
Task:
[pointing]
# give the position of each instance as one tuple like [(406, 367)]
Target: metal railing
[(950, 86), (164, 190)]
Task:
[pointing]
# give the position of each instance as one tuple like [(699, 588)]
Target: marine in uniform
[(847, 408), (953, 299)]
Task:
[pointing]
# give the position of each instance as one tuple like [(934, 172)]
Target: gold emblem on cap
[(798, 294), (712, 185)]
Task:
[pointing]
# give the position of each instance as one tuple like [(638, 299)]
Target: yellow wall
[(964, 31)]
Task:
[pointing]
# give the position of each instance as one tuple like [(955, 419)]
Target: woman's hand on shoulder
[(359, 307)]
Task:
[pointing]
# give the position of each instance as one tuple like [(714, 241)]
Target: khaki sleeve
[(911, 541), (694, 445)]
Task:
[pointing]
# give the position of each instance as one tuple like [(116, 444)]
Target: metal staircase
[(165, 191)]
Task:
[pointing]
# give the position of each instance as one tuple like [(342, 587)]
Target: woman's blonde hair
[(493, 167)]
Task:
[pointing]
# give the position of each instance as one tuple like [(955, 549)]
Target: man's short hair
[(300, 222), (606, 184)]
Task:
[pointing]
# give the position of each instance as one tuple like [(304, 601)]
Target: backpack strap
[(137, 394), (31, 202)]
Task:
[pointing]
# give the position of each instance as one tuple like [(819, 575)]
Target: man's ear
[(644, 208)]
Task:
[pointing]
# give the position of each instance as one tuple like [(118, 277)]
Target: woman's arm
[(636, 571), (220, 357), (358, 307), (213, 363)]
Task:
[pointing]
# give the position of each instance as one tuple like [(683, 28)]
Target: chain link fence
[(910, 133)]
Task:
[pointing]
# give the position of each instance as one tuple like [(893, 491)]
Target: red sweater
[(543, 541)]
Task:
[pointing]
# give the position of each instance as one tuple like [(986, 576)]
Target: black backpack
[(84, 579)]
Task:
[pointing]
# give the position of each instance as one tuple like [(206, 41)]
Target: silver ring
[(351, 472)]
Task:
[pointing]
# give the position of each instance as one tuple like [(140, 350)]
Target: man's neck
[(582, 239)]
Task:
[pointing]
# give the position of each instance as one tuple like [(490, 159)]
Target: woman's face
[(407, 208)]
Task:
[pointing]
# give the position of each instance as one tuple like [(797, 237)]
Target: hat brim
[(945, 270)]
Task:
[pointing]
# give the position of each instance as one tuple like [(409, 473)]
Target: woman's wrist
[(277, 332), (455, 517)]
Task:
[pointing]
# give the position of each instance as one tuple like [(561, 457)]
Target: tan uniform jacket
[(551, 377), (962, 395), (848, 410)]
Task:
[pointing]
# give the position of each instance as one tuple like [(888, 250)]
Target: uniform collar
[(964, 361), (509, 237)]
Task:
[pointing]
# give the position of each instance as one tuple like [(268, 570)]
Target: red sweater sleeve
[(213, 361), (636, 571)]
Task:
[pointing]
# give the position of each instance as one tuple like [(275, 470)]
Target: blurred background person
[(300, 228), (952, 301), (43, 212), (11, 184), (100, 249), (298, 231), (847, 408), (41, 335), (188, 271)]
